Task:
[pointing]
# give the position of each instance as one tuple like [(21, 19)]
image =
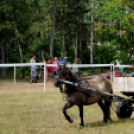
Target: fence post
[(113, 72), (44, 76), (14, 74)]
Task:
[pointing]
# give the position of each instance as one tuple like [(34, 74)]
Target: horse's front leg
[(67, 105), (81, 115)]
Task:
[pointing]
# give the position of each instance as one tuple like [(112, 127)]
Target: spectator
[(118, 61), (61, 60), (79, 70), (65, 60), (75, 69), (132, 74), (55, 61), (34, 76), (42, 67), (49, 69), (42, 70), (121, 69)]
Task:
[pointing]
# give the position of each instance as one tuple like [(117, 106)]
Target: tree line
[(96, 31)]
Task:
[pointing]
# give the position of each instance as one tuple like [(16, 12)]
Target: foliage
[(29, 23), (116, 25)]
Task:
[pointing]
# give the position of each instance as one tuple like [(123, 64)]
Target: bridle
[(67, 77), (63, 76), (62, 69)]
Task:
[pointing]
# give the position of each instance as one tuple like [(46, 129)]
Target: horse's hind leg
[(67, 105), (107, 105), (106, 109)]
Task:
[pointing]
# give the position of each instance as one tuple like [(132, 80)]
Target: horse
[(83, 92)]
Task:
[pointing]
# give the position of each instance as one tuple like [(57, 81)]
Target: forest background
[(96, 31)]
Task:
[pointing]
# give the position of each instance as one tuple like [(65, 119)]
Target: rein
[(68, 82)]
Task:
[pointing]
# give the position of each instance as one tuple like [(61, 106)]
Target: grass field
[(26, 109)]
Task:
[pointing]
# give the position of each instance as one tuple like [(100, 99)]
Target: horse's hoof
[(71, 121), (110, 120), (105, 120), (81, 126)]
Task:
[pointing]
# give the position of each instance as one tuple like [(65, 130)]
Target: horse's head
[(64, 72), (59, 73), (65, 77)]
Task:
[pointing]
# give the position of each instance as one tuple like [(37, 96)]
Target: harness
[(82, 85), (79, 86)]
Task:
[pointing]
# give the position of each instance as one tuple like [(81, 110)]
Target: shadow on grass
[(103, 124)]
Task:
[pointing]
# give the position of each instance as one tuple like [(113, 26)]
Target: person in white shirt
[(34, 77), (75, 69)]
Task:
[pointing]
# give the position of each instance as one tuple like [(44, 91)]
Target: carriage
[(86, 91)]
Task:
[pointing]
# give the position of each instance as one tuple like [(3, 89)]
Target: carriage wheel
[(124, 110)]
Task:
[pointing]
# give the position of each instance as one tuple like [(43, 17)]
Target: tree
[(70, 26), (116, 26), (92, 31), (52, 27)]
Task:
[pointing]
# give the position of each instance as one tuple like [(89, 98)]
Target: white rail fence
[(111, 66), (51, 65)]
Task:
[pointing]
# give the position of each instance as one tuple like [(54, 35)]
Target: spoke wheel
[(124, 110)]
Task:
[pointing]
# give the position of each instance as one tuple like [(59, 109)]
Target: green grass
[(31, 111)]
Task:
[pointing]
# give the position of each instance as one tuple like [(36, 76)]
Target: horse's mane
[(71, 88), (73, 75)]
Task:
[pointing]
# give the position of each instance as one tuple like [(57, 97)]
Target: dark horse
[(82, 92)]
